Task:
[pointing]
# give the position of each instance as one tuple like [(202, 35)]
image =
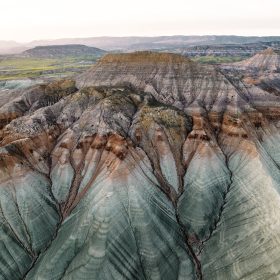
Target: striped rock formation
[(148, 166), (267, 60)]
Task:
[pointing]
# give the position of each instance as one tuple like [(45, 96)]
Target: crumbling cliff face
[(148, 166)]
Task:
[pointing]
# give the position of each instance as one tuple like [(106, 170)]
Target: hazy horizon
[(133, 35), (140, 36), (31, 20)]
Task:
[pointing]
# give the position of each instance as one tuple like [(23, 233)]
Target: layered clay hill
[(148, 166), (262, 70), (267, 60)]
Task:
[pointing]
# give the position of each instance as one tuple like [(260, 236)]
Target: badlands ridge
[(146, 166)]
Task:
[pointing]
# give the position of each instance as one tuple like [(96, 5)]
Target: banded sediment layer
[(147, 166)]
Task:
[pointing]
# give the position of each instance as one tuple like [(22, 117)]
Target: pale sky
[(26, 20)]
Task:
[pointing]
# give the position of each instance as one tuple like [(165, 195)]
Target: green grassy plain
[(216, 60), (12, 67)]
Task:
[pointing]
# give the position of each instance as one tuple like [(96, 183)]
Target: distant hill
[(60, 51), (224, 50), (10, 47), (135, 43), (147, 43)]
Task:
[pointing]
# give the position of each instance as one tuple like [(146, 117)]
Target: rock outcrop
[(148, 166)]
